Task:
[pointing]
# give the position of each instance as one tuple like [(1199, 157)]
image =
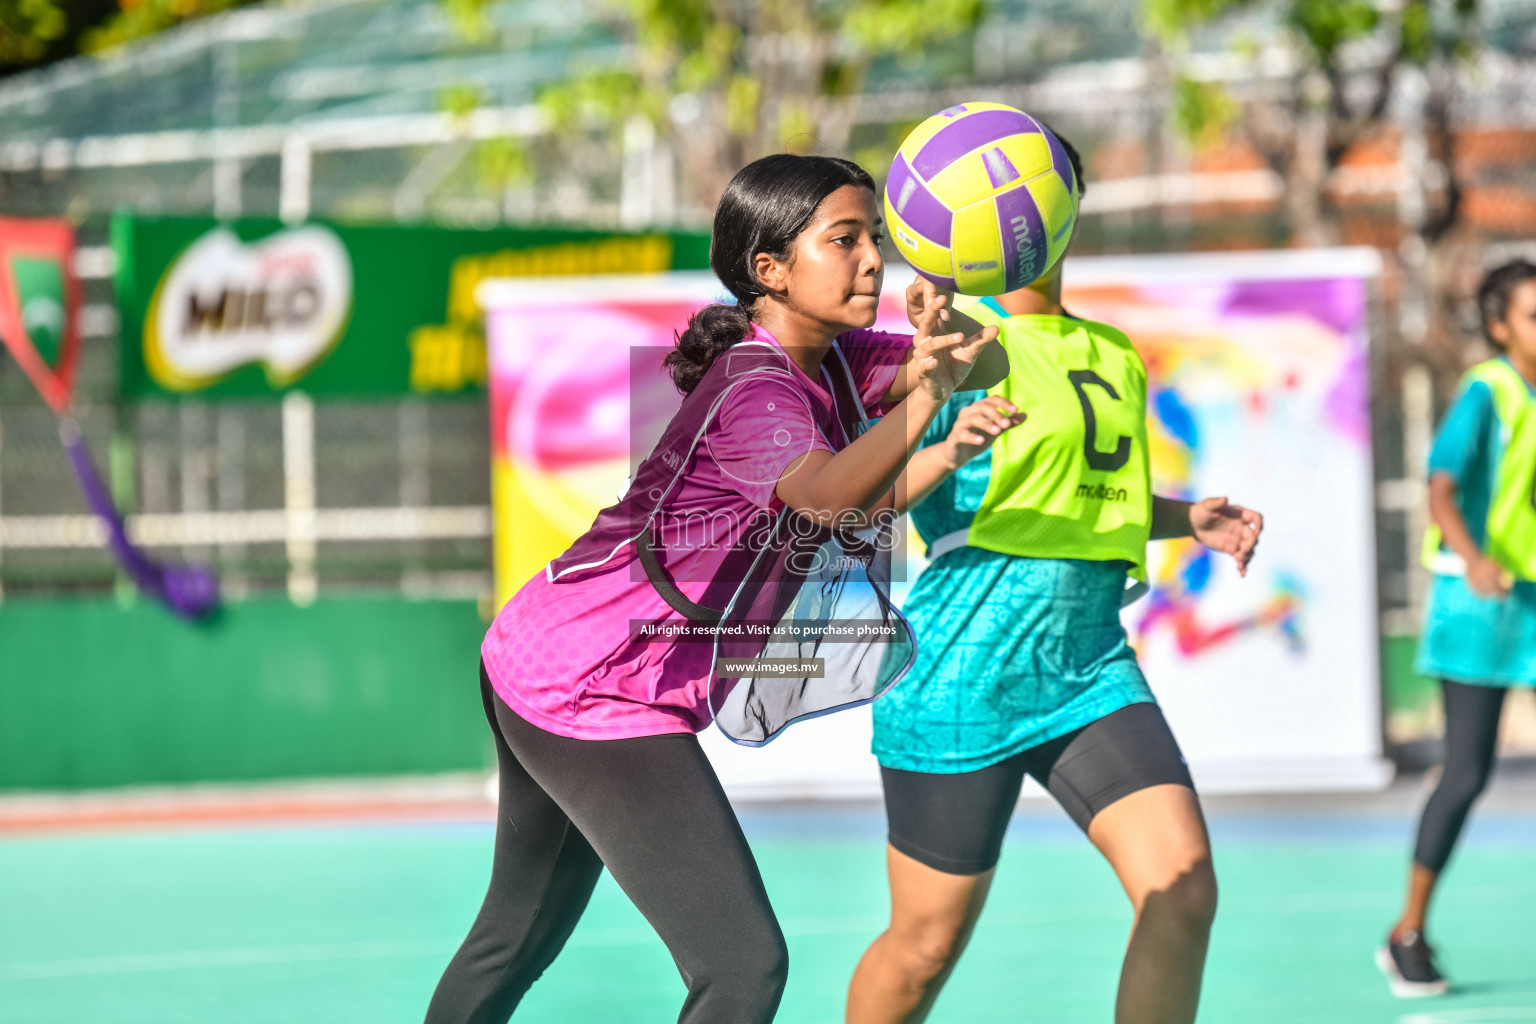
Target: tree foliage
[(31, 31), (28, 28), (725, 81), (138, 19), (1347, 56), (470, 17), (34, 32)]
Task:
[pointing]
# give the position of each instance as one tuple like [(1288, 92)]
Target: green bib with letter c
[(1074, 480)]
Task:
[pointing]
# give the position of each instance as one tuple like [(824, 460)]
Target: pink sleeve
[(762, 427), (874, 357)]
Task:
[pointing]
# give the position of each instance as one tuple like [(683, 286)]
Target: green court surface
[(289, 925)]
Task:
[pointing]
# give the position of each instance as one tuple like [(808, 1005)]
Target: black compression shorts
[(955, 823)]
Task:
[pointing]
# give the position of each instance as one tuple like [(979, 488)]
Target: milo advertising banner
[(255, 307)]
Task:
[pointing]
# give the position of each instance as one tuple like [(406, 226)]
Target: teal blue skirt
[(1012, 652), (1479, 640)]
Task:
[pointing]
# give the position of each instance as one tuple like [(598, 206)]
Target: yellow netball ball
[(981, 199)]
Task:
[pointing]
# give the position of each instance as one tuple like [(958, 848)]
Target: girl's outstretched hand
[(941, 360), (1222, 526), (978, 425), (922, 295)]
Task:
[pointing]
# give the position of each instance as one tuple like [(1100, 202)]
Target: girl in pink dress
[(595, 726)]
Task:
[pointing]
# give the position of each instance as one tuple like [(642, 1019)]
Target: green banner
[(255, 307)]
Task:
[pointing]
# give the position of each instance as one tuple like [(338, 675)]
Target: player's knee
[(1185, 896), (925, 950), (760, 967), (774, 970), (1463, 787)]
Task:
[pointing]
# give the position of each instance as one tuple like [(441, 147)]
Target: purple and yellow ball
[(981, 199)]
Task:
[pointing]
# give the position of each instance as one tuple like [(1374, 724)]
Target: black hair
[(1072, 158), (1493, 294), (763, 210)]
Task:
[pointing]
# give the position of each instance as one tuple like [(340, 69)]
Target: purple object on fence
[(190, 591)]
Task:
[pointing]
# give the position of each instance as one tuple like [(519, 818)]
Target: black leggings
[(652, 811), (1471, 735)]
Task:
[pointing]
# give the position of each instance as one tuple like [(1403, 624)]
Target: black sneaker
[(1409, 965)]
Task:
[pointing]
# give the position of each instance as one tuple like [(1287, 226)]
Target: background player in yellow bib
[(1023, 666), (1479, 633)]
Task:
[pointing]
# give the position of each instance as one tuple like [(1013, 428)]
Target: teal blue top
[(1467, 448), (953, 504), (1467, 637), (1012, 652)]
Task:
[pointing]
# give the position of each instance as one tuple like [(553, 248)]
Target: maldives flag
[(39, 303)]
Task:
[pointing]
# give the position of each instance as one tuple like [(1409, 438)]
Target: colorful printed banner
[(568, 359), (1258, 391), (256, 307), (40, 304)]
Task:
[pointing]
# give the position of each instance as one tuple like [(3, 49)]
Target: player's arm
[(977, 426), (1170, 519), (991, 363), (845, 488), (1214, 522), (1484, 575)]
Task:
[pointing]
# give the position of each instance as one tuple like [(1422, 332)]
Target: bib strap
[(679, 601), (947, 543)]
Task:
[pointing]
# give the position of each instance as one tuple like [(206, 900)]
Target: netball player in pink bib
[(594, 726)]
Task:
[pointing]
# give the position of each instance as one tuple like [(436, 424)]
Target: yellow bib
[(1510, 535), (1074, 480)]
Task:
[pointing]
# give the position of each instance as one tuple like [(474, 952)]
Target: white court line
[(248, 956), (845, 924), (1483, 1015)]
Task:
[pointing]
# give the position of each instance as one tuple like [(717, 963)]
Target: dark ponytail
[(763, 210), (1493, 294)]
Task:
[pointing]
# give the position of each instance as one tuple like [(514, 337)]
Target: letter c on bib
[(1104, 462)]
